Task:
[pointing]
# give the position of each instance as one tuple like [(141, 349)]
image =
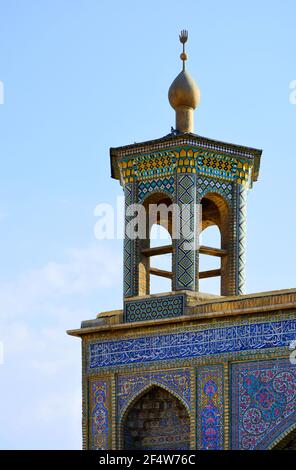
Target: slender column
[(241, 239), (129, 250), (185, 243)]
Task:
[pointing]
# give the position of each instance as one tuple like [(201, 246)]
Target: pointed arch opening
[(156, 420), (155, 250), (160, 237), (210, 237), (214, 243)]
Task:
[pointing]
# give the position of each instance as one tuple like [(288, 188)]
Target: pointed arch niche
[(156, 420)]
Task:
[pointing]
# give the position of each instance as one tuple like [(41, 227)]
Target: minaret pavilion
[(186, 369)]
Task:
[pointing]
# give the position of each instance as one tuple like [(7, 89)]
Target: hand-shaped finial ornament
[(183, 36)]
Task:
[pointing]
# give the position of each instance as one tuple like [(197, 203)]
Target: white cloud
[(42, 365), (85, 270)]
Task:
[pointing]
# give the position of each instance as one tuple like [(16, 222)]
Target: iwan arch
[(185, 369)]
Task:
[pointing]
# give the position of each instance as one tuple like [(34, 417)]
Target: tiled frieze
[(192, 343), (187, 159)]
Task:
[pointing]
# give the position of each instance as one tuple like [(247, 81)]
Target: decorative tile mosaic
[(160, 184), (241, 238), (100, 420), (187, 159), (154, 308), (130, 386), (152, 165), (206, 185), (263, 402), (213, 164), (185, 257), (128, 249), (192, 343), (186, 174), (186, 162), (210, 407)]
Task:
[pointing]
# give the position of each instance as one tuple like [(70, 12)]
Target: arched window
[(156, 421)]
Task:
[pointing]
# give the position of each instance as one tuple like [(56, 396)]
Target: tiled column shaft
[(129, 251), (185, 254)]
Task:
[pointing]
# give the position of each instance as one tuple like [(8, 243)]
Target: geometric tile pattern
[(185, 242), (162, 184), (129, 248), (154, 308), (206, 185), (241, 237), (210, 410), (195, 343), (99, 409), (154, 164), (263, 402), (201, 162), (129, 386), (212, 165)]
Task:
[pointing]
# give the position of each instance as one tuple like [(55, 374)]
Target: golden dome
[(184, 91)]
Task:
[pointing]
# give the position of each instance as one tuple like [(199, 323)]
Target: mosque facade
[(184, 369)]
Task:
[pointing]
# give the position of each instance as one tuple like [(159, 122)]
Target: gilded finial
[(183, 36), (184, 94)]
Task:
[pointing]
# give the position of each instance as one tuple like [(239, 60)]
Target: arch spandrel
[(175, 381)]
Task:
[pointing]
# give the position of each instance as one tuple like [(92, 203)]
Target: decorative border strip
[(129, 248), (186, 160), (152, 146), (100, 414), (210, 407)]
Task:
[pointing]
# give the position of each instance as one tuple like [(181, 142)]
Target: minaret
[(184, 94)]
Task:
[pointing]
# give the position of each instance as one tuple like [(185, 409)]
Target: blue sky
[(80, 77)]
